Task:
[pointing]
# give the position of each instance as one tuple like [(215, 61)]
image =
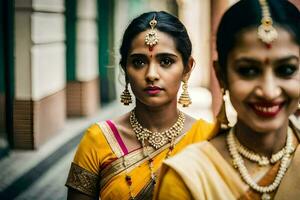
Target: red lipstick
[(153, 90), (266, 109)]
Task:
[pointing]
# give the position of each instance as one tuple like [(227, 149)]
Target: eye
[(166, 61), (248, 71), (138, 62), (286, 70)]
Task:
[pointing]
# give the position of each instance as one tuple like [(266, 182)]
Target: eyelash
[(138, 63), (283, 71), (248, 72), (166, 62), (286, 70)]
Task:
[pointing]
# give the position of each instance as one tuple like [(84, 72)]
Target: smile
[(267, 109)]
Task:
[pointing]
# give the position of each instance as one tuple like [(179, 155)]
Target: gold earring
[(126, 97), (222, 117), (184, 98), (299, 105)]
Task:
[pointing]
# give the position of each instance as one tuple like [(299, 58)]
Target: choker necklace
[(156, 139), (240, 165), (264, 160)]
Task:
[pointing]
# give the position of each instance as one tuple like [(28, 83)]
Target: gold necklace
[(156, 139)]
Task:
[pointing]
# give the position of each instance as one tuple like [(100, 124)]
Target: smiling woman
[(119, 158), (258, 45)]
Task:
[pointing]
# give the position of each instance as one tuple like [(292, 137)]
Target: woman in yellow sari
[(118, 159), (258, 43)]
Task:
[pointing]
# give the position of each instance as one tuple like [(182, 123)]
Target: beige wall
[(87, 41), (39, 49)]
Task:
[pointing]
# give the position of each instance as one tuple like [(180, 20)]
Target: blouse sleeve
[(93, 151)]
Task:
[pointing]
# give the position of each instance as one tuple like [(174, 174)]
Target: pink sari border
[(117, 136)]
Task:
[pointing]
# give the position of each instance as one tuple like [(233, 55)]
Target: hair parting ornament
[(266, 32), (151, 38)]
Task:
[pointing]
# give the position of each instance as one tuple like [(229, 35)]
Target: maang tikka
[(151, 38), (266, 32)]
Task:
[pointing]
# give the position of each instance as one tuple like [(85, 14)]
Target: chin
[(267, 126)]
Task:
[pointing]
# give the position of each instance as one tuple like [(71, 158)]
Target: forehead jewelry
[(266, 32), (151, 38)]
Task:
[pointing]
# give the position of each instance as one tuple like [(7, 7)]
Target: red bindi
[(151, 48)]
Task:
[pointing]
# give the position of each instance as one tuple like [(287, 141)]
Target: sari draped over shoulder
[(98, 168), (204, 174)]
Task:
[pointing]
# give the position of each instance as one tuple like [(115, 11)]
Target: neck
[(156, 119), (262, 143)]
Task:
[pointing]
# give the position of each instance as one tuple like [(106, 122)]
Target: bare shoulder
[(123, 125), (189, 121)]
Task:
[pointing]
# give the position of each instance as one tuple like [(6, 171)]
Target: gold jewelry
[(239, 164), (299, 105), (126, 97), (150, 161), (263, 160), (184, 98), (156, 139), (151, 38), (221, 116), (266, 32)]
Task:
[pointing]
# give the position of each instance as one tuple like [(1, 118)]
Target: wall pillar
[(39, 105)]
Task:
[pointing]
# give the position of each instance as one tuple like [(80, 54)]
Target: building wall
[(39, 107)]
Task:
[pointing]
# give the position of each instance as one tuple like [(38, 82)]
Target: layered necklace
[(237, 151), (155, 140)]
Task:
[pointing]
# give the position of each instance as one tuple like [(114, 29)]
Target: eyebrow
[(157, 55), (288, 58), (254, 61)]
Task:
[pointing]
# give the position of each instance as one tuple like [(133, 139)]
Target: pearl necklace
[(239, 164), (263, 160), (156, 139)]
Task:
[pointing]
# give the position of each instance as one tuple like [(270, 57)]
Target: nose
[(268, 88), (152, 73)]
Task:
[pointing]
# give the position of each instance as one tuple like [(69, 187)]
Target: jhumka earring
[(151, 38), (266, 32), (126, 97), (299, 105), (222, 117), (184, 98)]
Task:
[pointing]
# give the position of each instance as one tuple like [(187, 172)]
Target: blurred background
[(59, 73)]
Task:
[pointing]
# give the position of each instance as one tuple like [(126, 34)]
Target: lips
[(153, 90), (267, 109)]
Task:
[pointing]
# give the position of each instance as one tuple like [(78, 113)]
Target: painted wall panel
[(22, 55), (46, 5), (47, 27), (87, 30), (87, 9), (48, 69), (87, 61)]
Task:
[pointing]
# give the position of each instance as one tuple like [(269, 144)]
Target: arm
[(171, 186)]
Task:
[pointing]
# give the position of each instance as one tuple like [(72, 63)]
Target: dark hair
[(246, 14), (166, 23)]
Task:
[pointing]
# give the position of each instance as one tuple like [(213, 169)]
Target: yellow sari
[(203, 174), (98, 167)]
